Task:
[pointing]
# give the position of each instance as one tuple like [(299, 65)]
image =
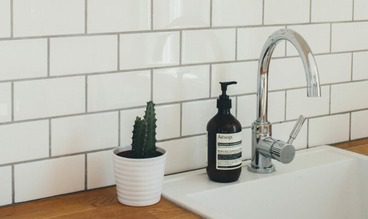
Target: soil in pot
[(129, 154)]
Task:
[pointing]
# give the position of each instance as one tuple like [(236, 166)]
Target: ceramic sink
[(321, 183)]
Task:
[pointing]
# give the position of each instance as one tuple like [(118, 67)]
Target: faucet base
[(263, 170)]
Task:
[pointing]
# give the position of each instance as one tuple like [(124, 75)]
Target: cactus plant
[(144, 134)]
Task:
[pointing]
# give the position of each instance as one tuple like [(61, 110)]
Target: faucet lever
[(296, 129)]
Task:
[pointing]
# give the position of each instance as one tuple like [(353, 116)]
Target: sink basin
[(321, 183)]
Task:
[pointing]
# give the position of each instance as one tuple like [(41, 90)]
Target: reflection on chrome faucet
[(264, 147)]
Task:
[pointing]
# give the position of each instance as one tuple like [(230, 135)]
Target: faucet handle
[(296, 129)]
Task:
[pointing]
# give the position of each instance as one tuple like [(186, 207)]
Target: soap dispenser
[(224, 141)]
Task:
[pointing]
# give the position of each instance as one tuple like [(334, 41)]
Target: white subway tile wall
[(48, 17), (100, 171), (5, 185), (74, 74), (106, 16), (5, 18)]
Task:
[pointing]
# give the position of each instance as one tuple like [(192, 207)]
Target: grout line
[(48, 57), (181, 120), (166, 103), (350, 115), (308, 132), (57, 156), (329, 99), (11, 18), (13, 183), (310, 11), (151, 84), (151, 22), (174, 66), (119, 128), (118, 53), (352, 67), (85, 172), (174, 30), (236, 43), (168, 139), (353, 11), (85, 16), (86, 94), (12, 101), (263, 12), (210, 80), (50, 147), (237, 106), (211, 12), (180, 47), (285, 109), (331, 38)]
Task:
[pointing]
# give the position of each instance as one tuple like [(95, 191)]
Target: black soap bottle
[(224, 141)]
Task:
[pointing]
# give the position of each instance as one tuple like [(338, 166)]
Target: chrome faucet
[(264, 147)]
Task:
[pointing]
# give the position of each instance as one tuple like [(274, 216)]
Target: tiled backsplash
[(75, 73)]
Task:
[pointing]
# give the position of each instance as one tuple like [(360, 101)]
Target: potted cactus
[(139, 168)]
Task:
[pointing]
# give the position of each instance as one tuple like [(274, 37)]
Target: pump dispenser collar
[(224, 101)]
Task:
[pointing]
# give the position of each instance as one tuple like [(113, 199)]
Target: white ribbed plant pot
[(139, 181)]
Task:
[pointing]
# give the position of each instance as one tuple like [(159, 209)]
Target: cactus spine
[(144, 134)]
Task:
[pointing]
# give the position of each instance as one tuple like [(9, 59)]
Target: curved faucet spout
[(311, 71), (264, 147)]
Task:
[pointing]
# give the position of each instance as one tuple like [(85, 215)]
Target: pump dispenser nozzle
[(224, 102)]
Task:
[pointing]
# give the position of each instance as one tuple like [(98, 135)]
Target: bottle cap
[(224, 101)]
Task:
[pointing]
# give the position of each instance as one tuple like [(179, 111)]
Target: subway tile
[(127, 118), (245, 73), (48, 17), (168, 121), (331, 10), (46, 178), (5, 102), (282, 131), (276, 106), (347, 97), (316, 35), (49, 97), (118, 15), (208, 45), (334, 68), (144, 50), (196, 115), (247, 144), (100, 172), (75, 55), (286, 11), (185, 154), (5, 18), (328, 129), (236, 12), (22, 59), (168, 14), (24, 141), (286, 73), (359, 121), (251, 41), (360, 65), (84, 133), (360, 9), (349, 36), (118, 90), (184, 83), (247, 108), (298, 103), (5, 185), (247, 111)]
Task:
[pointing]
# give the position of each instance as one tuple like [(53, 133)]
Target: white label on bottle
[(228, 151)]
